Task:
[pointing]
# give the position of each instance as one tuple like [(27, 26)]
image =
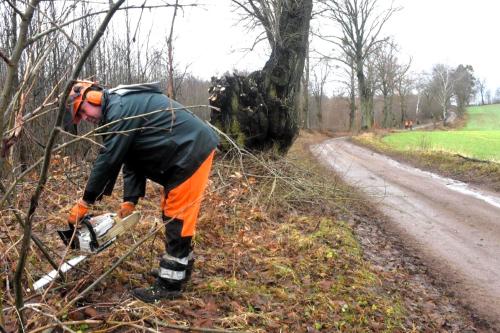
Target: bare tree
[(261, 110), (170, 85), (386, 66), (320, 71), (496, 98), (428, 104), (360, 26), (13, 65), (481, 88), (404, 85), (487, 95)]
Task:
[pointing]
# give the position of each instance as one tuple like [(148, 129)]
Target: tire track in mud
[(454, 228)]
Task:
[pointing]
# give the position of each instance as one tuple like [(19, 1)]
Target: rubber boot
[(161, 289), (155, 272)]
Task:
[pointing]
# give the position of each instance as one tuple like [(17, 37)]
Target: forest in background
[(127, 53)]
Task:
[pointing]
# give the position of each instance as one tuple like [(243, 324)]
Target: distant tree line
[(374, 83), (54, 38)]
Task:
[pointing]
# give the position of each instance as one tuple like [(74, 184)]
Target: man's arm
[(110, 159), (134, 185)]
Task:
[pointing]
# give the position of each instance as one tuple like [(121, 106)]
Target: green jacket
[(166, 147)]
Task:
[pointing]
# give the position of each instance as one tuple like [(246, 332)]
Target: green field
[(483, 118), (480, 138)]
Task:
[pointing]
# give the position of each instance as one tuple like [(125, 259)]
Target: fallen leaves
[(272, 256)]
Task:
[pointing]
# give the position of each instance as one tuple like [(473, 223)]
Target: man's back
[(154, 137)]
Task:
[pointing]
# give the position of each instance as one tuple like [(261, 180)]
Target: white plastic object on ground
[(46, 279)]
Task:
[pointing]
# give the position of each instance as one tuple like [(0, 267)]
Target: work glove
[(126, 208), (78, 212)]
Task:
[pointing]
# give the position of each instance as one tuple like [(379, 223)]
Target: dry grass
[(272, 256)]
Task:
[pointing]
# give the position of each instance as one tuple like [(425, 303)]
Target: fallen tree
[(260, 111)]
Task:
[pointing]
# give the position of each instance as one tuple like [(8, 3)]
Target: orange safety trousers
[(183, 202)]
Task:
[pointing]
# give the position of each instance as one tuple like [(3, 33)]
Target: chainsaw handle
[(94, 244)]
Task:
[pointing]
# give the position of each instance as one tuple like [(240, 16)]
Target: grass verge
[(483, 118), (483, 145), (456, 166)]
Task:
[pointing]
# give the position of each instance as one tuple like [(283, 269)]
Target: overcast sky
[(430, 31)]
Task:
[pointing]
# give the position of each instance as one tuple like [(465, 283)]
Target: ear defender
[(83, 91), (93, 97)]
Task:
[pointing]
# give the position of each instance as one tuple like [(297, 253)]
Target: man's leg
[(180, 207), (176, 264)]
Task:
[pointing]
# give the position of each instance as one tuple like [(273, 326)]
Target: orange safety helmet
[(83, 91)]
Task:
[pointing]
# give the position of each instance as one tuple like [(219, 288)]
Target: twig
[(5, 58), (82, 138), (472, 159), (192, 328), (37, 241), (48, 31), (68, 323), (47, 157), (59, 323), (18, 12), (142, 328)]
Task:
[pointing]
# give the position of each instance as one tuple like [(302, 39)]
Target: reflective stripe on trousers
[(169, 274)]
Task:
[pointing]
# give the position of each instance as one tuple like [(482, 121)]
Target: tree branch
[(47, 157), (14, 62), (5, 58), (15, 9), (48, 31)]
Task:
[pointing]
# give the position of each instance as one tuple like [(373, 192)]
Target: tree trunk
[(365, 99), (386, 122), (12, 68), (403, 108), (352, 111), (444, 113), (305, 89), (261, 111), (170, 80), (352, 99), (128, 49), (319, 109)]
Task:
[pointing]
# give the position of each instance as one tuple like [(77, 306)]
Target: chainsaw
[(95, 234)]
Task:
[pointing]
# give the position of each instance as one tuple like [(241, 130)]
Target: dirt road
[(454, 228)]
